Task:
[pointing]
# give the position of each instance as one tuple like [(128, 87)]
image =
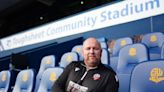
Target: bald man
[(88, 76)]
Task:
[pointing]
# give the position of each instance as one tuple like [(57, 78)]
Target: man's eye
[(87, 48), (95, 48)]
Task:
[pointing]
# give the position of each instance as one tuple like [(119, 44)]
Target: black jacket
[(99, 79)]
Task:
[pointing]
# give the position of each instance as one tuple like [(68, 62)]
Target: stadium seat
[(162, 52), (104, 45), (105, 58), (5, 76), (78, 49), (119, 43), (148, 77), (154, 43), (68, 58), (101, 39), (24, 81), (46, 62), (49, 77), (129, 57)]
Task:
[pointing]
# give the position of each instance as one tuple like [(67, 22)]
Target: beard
[(92, 62)]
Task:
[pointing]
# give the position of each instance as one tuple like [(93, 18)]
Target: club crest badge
[(96, 76)]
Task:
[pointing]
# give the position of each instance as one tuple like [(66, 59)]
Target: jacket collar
[(83, 64)]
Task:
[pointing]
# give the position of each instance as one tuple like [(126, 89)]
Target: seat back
[(105, 58), (119, 43), (101, 39), (103, 42), (154, 43), (130, 56), (148, 77), (46, 62), (24, 81), (103, 45), (4, 80), (162, 52), (49, 77), (78, 49), (68, 58)]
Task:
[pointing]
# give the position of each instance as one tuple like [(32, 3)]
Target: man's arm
[(59, 85)]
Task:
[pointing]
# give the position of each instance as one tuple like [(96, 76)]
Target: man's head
[(91, 52)]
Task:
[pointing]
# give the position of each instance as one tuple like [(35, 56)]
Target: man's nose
[(91, 51)]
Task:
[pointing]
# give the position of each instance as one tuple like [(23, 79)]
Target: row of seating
[(152, 41), (25, 81), (131, 55), (47, 74)]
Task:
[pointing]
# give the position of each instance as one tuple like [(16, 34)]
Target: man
[(87, 76)]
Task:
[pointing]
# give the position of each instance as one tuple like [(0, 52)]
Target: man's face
[(91, 52)]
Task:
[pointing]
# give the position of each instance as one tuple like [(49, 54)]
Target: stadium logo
[(123, 43), (25, 77), (156, 75), (52, 76), (3, 77), (69, 58), (132, 51), (153, 38)]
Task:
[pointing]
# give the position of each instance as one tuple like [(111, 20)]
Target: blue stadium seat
[(129, 57), (154, 43), (5, 76), (105, 58), (119, 43), (68, 58), (46, 62), (24, 81), (101, 39), (104, 45), (49, 77), (162, 52), (78, 49), (148, 77)]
